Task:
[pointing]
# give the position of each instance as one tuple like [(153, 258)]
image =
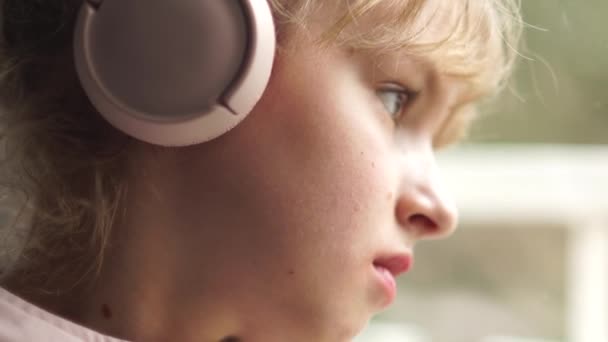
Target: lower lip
[(388, 283)]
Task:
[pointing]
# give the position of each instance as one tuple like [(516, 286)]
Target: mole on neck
[(231, 339)]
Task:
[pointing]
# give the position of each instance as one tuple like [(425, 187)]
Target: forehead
[(399, 22), (391, 24), (460, 38)]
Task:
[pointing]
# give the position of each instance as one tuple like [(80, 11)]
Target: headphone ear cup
[(166, 72)]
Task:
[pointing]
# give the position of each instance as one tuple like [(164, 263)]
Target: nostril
[(423, 223)]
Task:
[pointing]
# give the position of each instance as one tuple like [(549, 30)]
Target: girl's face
[(288, 219)]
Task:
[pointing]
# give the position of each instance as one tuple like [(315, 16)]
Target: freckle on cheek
[(389, 196)]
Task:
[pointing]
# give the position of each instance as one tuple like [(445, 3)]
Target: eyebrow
[(400, 65)]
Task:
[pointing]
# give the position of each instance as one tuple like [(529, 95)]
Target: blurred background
[(529, 262)]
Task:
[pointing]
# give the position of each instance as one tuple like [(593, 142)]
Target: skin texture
[(270, 232)]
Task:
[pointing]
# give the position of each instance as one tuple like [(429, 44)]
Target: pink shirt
[(21, 321)]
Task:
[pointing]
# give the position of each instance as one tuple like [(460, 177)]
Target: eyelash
[(406, 97)]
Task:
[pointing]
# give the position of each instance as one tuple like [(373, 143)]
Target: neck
[(169, 276), (140, 295)]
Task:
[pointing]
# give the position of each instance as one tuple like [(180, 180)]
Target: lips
[(396, 264), (387, 269)]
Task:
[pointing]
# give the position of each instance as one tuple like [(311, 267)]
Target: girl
[(291, 226)]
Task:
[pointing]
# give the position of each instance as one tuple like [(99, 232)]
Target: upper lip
[(396, 263)]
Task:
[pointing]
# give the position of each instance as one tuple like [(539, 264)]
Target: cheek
[(332, 163), (310, 166)]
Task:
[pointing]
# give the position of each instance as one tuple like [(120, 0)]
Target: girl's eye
[(395, 99)]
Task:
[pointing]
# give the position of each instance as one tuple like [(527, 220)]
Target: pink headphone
[(174, 72)]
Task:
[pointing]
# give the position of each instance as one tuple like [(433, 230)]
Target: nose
[(423, 207)]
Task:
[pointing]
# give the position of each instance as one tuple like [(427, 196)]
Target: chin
[(349, 330)]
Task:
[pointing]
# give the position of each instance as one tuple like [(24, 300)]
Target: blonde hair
[(478, 42), (69, 166)]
